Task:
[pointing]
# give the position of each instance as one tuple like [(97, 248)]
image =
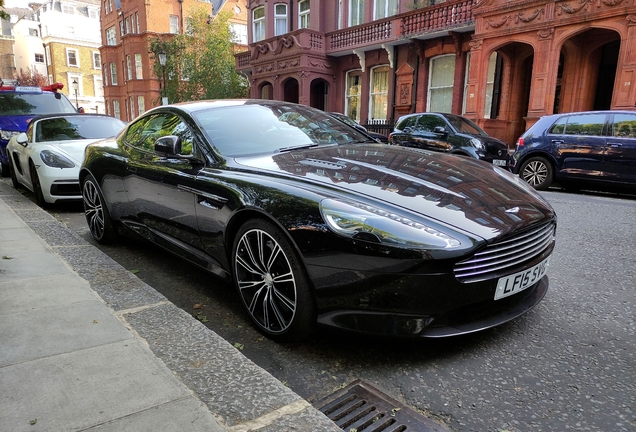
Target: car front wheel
[(537, 172), (271, 282), (96, 212), (37, 187), (14, 177)]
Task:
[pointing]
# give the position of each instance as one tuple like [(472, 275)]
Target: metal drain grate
[(361, 407)]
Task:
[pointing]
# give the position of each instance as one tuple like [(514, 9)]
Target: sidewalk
[(85, 345)]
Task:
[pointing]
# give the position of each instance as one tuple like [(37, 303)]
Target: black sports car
[(315, 223)]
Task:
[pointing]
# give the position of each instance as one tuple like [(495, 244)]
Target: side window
[(624, 126), (145, 132), (588, 125), (407, 122), (558, 127), (427, 123)]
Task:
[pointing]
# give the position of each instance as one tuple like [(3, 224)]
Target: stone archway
[(266, 91), (587, 71), (290, 90), (318, 97)]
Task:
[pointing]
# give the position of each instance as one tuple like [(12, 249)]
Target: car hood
[(73, 149), (467, 194), (14, 123)]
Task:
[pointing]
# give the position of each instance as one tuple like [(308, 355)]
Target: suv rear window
[(34, 103)]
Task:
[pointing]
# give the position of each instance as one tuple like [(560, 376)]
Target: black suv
[(18, 105), (449, 133)]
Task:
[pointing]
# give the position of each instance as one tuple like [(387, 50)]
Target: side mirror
[(440, 130), (80, 110), (22, 139), (169, 145)]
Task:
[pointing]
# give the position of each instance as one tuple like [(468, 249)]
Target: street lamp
[(75, 86), (162, 83)]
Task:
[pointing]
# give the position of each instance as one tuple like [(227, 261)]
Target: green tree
[(3, 14), (200, 63)]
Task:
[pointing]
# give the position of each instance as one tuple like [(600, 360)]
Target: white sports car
[(47, 158)]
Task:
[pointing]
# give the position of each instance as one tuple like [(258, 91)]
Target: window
[(116, 111), (440, 87), (428, 123), (97, 60), (72, 58), (70, 31), (110, 36), (139, 70), (624, 126), (141, 104), (68, 9), (33, 32), (99, 88), (105, 74), (137, 22), (47, 51), (121, 28), (132, 108), (385, 8), (379, 92), (106, 7), (113, 74), (466, 83), (128, 25), (354, 86), (258, 22), (239, 32), (92, 14), (303, 14), (143, 133), (174, 24), (588, 124), (39, 58), (128, 67), (280, 19), (490, 81), (356, 12)]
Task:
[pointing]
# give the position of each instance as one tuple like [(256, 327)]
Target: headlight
[(477, 144), (363, 222), (55, 160), (6, 135)]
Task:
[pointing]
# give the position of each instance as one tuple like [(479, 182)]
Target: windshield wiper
[(296, 147)]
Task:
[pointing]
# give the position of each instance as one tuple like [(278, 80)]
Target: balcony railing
[(441, 16), (352, 37), (243, 60)]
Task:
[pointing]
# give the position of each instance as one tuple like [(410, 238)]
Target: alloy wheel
[(93, 209), (535, 173), (265, 281)]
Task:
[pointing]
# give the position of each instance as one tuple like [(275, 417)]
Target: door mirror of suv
[(440, 130), (169, 145)]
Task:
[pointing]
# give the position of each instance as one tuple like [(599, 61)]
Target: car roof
[(45, 116)]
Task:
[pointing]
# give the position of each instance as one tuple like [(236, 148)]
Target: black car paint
[(193, 208)]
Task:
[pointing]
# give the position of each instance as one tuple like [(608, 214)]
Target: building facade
[(128, 27), (502, 63), (60, 40)]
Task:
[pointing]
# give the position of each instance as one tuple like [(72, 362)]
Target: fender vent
[(362, 408)]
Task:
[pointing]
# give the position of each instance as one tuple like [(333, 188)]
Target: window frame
[(139, 67), (258, 24), (280, 18), (432, 89), (174, 24), (97, 60), (111, 36), (304, 19), (389, 9), (373, 94), (76, 56), (348, 96), (360, 15), (113, 74)]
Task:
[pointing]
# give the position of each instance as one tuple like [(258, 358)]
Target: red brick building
[(503, 63), (128, 26)]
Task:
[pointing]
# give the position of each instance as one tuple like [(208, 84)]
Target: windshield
[(34, 104), (77, 127), (463, 125), (264, 127)]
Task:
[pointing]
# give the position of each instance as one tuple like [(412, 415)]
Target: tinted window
[(589, 125), (427, 123), (77, 127), (34, 104), (144, 133), (559, 126), (624, 126), (407, 122), (464, 125)]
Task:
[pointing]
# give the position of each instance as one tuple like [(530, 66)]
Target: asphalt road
[(567, 365)]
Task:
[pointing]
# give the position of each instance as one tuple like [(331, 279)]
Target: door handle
[(557, 141), (615, 145)]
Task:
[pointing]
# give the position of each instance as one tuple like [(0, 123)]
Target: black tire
[(272, 283), (537, 172), (99, 221), (14, 178), (37, 187)]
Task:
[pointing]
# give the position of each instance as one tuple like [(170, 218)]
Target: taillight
[(520, 142), (391, 134)]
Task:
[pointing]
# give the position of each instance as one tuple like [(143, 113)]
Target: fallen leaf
[(95, 321), (134, 271), (32, 422), (239, 346), (197, 306), (7, 257)]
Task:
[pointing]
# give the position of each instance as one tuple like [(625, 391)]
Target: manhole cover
[(361, 407)]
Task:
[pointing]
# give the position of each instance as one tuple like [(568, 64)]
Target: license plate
[(509, 285), (500, 162)]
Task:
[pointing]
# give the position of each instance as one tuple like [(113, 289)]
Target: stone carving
[(520, 16), (320, 63), (405, 94), (565, 7), (545, 34), (503, 21), (631, 19), (476, 44)]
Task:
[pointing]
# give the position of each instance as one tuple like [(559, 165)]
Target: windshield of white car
[(257, 128), (76, 127)]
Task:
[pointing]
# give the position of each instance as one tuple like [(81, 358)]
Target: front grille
[(505, 255), (65, 188)]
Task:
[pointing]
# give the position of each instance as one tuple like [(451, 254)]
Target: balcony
[(398, 29)]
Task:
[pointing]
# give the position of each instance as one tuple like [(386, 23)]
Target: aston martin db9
[(315, 223)]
